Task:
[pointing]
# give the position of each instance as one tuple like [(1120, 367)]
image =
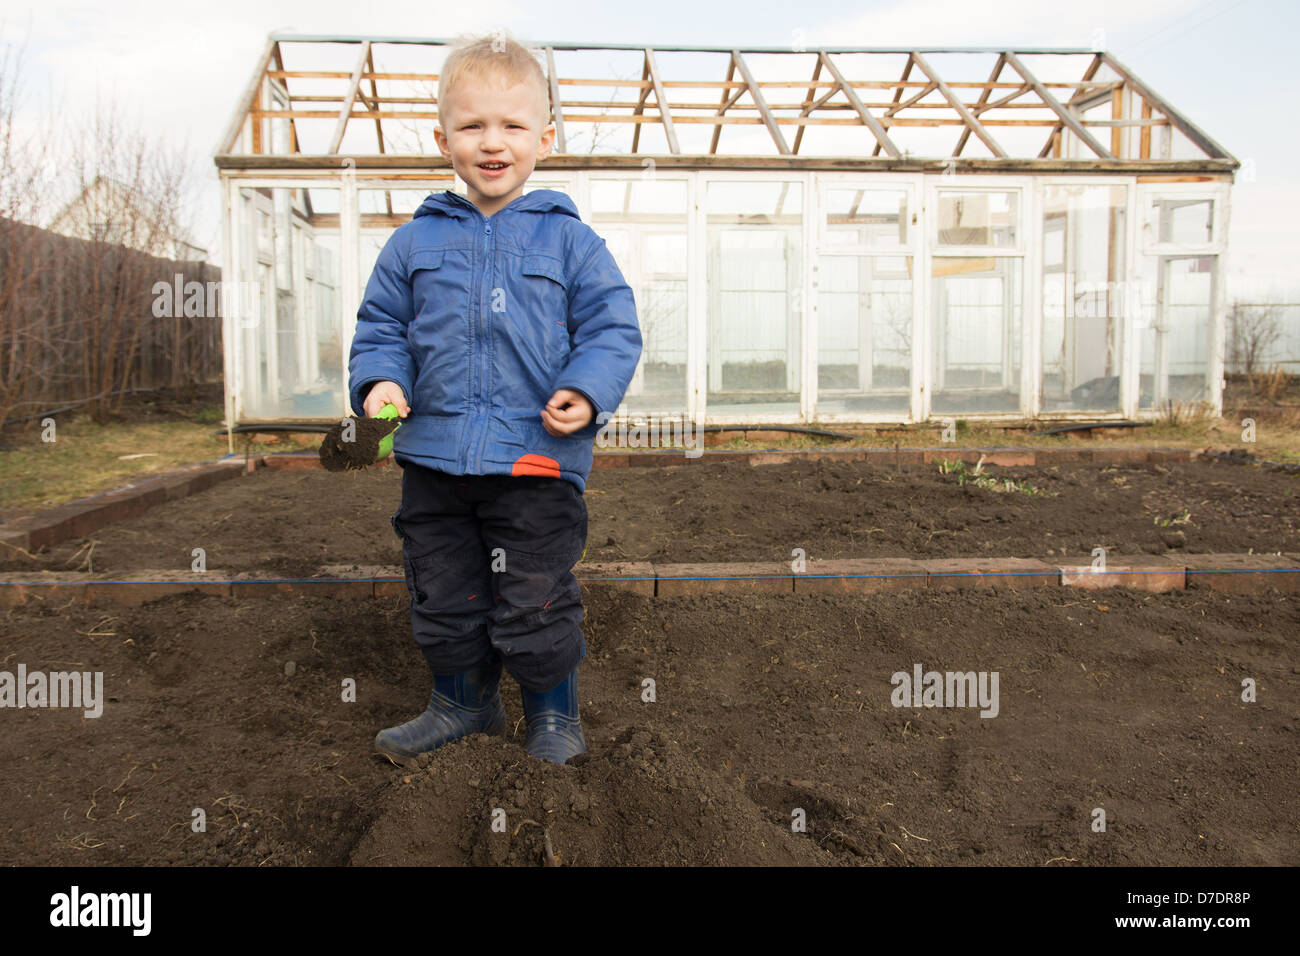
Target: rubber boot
[(461, 704), (554, 729)]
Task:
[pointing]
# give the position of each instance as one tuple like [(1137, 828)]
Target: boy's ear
[(440, 137), (548, 141)]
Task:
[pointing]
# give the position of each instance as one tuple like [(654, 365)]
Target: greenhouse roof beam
[(354, 84), (756, 95), (868, 119), (1068, 118), (968, 118)]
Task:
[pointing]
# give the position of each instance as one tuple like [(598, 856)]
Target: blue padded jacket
[(480, 319)]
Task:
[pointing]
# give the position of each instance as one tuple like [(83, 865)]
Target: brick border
[(80, 518), (1233, 573)]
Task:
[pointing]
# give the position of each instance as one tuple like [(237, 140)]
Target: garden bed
[(1113, 700), (293, 523)]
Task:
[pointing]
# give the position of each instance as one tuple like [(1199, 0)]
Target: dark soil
[(362, 449), (293, 523), (1117, 700)]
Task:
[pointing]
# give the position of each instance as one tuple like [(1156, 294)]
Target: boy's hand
[(566, 412), (384, 393)]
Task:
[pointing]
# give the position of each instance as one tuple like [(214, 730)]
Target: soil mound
[(638, 799)]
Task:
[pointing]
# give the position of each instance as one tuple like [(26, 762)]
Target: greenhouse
[(812, 235)]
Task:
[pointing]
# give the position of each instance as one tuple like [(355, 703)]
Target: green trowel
[(388, 413), (358, 442)]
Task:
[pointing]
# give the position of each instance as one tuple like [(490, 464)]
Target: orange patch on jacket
[(536, 465)]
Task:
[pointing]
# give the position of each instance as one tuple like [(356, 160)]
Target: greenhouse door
[(1180, 323), (754, 312), (866, 306), (977, 331)]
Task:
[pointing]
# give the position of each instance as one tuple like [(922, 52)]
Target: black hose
[(245, 429), (290, 427), (1088, 426), (778, 428)]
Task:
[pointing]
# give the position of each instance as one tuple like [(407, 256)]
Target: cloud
[(178, 71), (934, 23)]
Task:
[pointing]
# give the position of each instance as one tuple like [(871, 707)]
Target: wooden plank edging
[(1234, 573)]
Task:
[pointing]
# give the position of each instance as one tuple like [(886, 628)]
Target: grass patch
[(86, 458)]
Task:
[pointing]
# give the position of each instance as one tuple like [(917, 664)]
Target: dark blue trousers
[(489, 564)]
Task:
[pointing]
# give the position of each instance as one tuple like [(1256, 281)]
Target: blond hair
[(498, 57)]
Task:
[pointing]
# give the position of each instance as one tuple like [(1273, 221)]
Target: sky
[(180, 66)]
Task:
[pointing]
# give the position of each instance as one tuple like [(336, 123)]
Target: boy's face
[(484, 125)]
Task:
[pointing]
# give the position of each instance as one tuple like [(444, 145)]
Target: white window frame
[(1028, 249), (1220, 192), (581, 194), (699, 295), (1148, 226), (1128, 385), (913, 184)]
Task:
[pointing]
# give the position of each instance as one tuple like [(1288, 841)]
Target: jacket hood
[(449, 203)]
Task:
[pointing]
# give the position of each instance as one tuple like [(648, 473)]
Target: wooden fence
[(84, 321)]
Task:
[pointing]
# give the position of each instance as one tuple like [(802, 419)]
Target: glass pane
[(321, 296), (290, 330), (1083, 296), (756, 201), (644, 225), (398, 204), (1184, 221), (661, 310), (864, 334), (641, 197), (976, 335), (382, 210), (755, 276), (1175, 338), (866, 217), (978, 218), (559, 185)]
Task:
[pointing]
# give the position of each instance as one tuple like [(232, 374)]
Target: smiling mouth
[(493, 165)]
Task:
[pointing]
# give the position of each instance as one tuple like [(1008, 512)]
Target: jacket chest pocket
[(432, 286), (546, 302)]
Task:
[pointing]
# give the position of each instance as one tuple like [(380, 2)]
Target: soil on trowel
[(338, 454)]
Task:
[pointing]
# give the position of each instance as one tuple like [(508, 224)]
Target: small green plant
[(210, 415), (976, 477), (1184, 518)]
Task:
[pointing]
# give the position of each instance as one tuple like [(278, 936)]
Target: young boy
[(500, 327)]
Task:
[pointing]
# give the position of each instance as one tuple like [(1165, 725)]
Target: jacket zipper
[(480, 399)]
